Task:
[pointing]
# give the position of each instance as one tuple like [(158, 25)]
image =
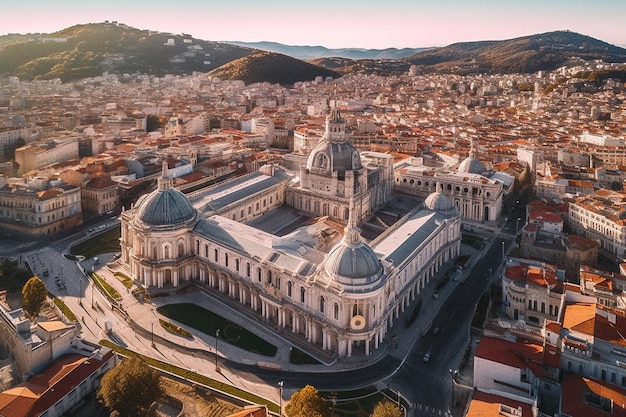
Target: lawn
[(106, 242), (209, 323)]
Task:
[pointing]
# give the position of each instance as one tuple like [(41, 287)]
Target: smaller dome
[(355, 266), (167, 207), (440, 203), (471, 166)]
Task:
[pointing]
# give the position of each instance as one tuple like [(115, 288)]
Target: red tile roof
[(485, 405), (520, 354), (573, 400), (42, 391)]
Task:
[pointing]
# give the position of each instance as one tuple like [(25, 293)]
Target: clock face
[(357, 322)]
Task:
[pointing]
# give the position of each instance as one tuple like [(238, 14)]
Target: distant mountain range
[(545, 51), (89, 50), (315, 52)]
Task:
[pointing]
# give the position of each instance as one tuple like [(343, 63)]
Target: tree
[(307, 403), (34, 295), (131, 388), (386, 409)]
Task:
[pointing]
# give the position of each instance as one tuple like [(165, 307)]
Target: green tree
[(130, 388), (386, 409), (307, 403), (34, 295), (154, 122)]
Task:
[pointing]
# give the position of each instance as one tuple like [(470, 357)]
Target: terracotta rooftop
[(485, 405), (42, 391), (520, 354), (575, 388)]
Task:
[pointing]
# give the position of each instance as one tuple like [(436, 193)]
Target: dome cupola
[(166, 206), (352, 263)]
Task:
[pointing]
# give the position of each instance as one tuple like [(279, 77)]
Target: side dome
[(165, 207), (471, 166), (328, 157), (440, 203), (355, 266)]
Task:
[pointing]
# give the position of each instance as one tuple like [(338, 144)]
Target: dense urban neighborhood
[(445, 245)]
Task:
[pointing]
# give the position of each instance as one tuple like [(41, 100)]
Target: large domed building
[(342, 300)]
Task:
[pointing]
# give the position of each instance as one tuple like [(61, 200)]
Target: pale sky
[(372, 24)]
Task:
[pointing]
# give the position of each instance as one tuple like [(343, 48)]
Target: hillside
[(91, 49), (271, 67), (546, 51), (88, 50)]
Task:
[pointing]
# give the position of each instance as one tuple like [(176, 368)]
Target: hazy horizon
[(364, 24)]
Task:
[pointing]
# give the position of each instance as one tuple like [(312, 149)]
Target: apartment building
[(532, 291), (600, 216), (39, 155), (40, 207)]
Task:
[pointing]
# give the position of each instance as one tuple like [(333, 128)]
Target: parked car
[(426, 357)]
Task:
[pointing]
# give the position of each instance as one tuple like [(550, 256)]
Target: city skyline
[(349, 24)]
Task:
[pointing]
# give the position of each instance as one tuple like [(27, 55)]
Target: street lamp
[(80, 291), (453, 373), (280, 400), (517, 225), (503, 251), (217, 336)]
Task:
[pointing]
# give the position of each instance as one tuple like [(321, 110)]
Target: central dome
[(330, 157), (334, 153)]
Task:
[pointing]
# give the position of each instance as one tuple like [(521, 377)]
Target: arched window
[(321, 304), (269, 277), (336, 311), (289, 288), (302, 294), (154, 253), (181, 250), (216, 255), (237, 265), (197, 247), (248, 269), (259, 274), (206, 250), (167, 252), (226, 260)]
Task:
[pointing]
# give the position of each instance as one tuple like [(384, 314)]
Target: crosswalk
[(419, 410), (422, 410)]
